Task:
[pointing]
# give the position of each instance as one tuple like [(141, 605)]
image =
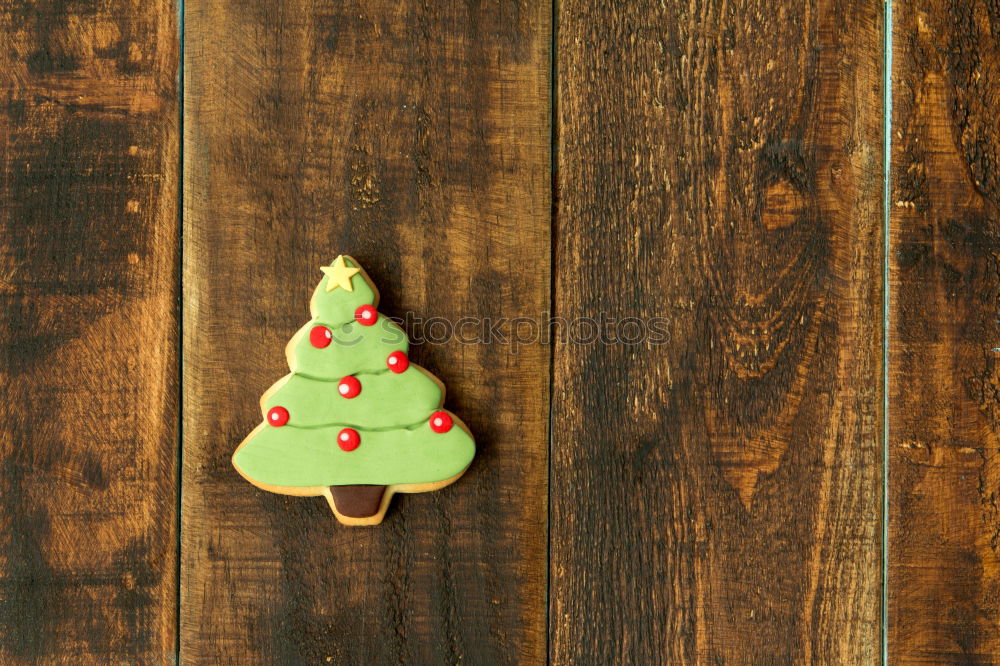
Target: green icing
[(338, 306), (295, 457), (391, 413), (355, 348), (314, 402)]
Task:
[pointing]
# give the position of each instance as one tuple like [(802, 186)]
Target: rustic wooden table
[(831, 367)]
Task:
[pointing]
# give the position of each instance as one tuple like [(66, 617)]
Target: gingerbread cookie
[(355, 421)]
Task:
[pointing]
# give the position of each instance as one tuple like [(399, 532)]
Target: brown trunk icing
[(357, 501)]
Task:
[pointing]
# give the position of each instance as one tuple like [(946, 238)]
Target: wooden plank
[(716, 499), (415, 137), (944, 573), (89, 146)]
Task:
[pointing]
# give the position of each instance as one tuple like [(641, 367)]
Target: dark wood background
[(171, 184)]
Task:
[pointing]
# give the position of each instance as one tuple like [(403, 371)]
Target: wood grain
[(415, 137), (88, 331), (716, 499), (944, 574)]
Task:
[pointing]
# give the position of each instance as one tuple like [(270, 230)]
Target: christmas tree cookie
[(355, 421)]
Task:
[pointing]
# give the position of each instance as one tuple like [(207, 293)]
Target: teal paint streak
[(886, 236)]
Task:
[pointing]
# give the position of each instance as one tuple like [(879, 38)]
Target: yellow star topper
[(339, 275)]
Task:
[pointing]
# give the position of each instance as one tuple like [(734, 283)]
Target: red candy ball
[(277, 416), (366, 315), (320, 336), (349, 387), (440, 422), (397, 362), (349, 439)]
